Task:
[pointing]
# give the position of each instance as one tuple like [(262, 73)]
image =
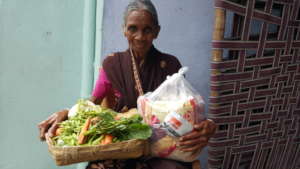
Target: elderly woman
[(128, 74)]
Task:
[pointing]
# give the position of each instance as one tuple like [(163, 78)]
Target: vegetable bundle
[(94, 125)]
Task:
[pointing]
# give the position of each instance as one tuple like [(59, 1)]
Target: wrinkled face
[(140, 31)]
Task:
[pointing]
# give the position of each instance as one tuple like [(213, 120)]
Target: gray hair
[(141, 5)]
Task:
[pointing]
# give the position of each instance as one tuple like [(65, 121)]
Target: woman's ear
[(124, 30), (157, 30)]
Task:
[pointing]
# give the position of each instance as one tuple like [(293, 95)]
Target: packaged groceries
[(172, 110), (96, 133)]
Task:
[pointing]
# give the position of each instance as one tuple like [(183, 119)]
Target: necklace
[(136, 75)]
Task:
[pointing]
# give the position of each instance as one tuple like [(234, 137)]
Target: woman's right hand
[(52, 123)]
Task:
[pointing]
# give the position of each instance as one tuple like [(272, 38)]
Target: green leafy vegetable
[(104, 123)]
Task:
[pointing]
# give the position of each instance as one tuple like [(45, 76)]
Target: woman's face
[(140, 31)]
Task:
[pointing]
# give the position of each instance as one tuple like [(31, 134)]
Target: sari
[(153, 70)]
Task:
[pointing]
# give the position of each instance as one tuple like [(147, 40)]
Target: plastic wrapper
[(172, 110)]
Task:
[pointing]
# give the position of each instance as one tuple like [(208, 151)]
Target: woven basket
[(75, 154)]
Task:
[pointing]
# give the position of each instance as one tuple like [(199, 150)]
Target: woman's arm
[(198, 138), (52, 123), (102, 87)]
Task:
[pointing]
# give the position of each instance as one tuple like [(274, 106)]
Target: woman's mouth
[(140, 45)]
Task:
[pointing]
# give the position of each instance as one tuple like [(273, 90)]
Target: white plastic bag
[(172, 110)]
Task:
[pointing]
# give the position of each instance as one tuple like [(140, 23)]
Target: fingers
[(53, 129), (193, 145), (196, 133), (44, 126), (192, 142), (200, 126), (192, 135), (51, 124), (210, 128), (42, 133), (194, 148), (198, 138), (61, 116), (206, 127)]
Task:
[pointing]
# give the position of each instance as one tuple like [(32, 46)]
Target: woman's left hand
[(198, 138)]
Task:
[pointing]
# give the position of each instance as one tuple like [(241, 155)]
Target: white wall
[(40, 72)]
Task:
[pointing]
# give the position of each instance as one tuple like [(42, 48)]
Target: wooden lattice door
[(255, 85)]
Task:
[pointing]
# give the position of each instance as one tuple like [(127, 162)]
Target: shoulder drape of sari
[(156, 67)]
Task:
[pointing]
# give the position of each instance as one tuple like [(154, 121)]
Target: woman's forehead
[(140, 17)]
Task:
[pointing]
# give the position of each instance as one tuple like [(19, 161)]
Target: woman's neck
[(139, 58), (140, 55)]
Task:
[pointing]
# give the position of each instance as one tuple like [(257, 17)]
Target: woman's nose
[(140, 36)]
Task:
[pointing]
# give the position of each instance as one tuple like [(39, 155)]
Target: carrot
[(58, 131), (95, 120), (82, 137), (107, 139)]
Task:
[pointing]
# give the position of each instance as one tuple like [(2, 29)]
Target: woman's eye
[(132, 28), (148, 30)]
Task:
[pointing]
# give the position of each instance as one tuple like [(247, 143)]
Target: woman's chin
[(141, 49)]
